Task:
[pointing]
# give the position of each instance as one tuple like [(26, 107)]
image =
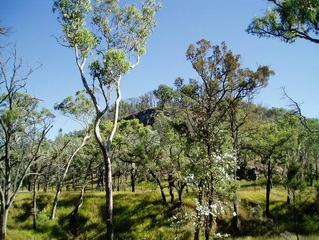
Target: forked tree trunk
[(105, 145)]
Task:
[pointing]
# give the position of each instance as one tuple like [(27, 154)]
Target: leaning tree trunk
[(81, 197), (160, 186), (60, 184)]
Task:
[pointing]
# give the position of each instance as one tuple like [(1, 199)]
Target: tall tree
[(23, 129), (116, 47), (222, 79)]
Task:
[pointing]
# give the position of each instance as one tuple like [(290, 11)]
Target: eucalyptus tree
[(173, 161), (80, 109), (129, 149), (222, 79), (289, 20), (155, 167), (274, 139), (152, 154), (23, 130), (115, 48)]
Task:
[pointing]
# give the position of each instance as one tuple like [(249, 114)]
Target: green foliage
[(115, 64), (122, 32), (288, 20), (79, 107), (164, 94), (72, 16)]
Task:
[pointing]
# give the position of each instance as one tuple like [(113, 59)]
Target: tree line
[(199, 136)]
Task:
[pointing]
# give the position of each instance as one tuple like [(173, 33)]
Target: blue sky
[(180, 22)]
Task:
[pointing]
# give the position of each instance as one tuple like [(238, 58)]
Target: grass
[(142, 215)]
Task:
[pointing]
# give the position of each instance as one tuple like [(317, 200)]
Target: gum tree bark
[(66, 169), (119, 35)]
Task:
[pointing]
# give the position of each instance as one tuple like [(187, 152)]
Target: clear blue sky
[(180, 22)]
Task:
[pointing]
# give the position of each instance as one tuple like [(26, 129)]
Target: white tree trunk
[(60, 184)]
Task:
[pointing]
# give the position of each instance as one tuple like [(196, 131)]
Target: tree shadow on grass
[(26, 208), (73, 226), (130, 214), (301, 219), (68, 202)]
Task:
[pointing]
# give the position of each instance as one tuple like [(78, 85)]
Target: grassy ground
[(141, 215)]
